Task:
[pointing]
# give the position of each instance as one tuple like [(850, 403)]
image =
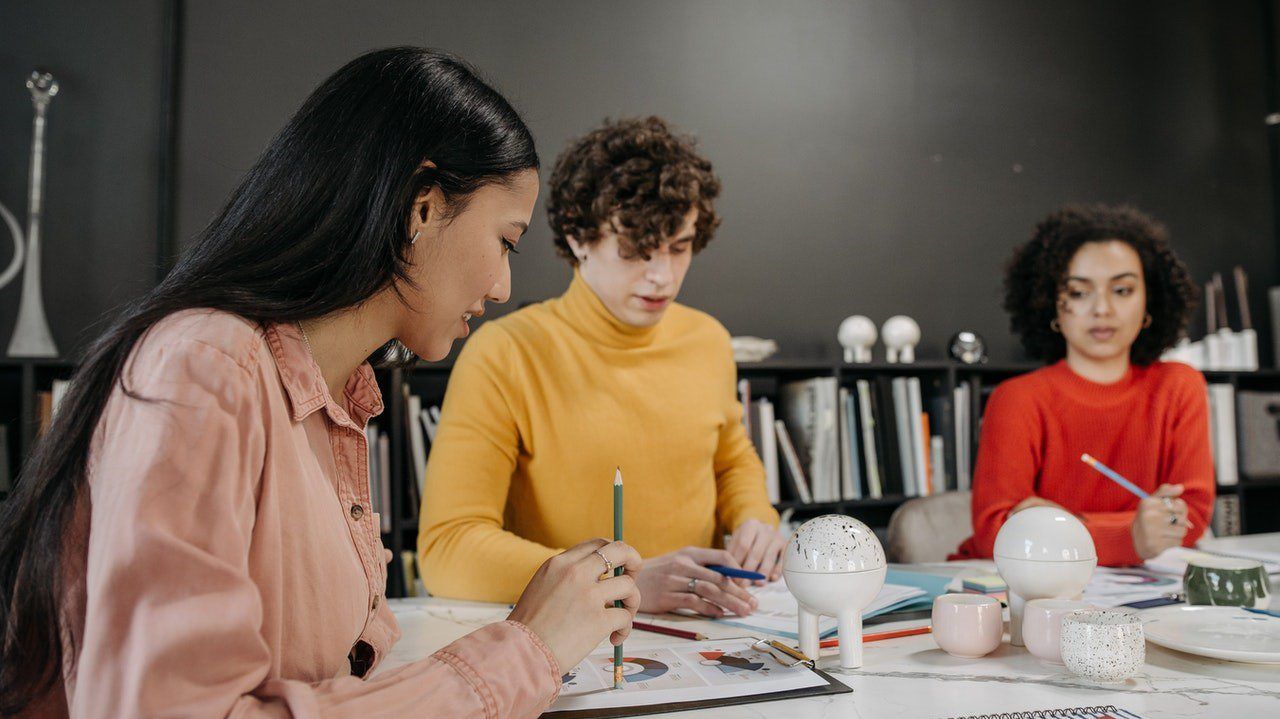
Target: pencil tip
[(1086, 458), (617, 476)]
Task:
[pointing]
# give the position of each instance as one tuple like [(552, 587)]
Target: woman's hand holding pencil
[(1160, 522), (570, 608)]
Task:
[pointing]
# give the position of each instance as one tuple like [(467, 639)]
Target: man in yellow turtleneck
[(544, 403)]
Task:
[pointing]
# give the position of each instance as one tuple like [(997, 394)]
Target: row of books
[(882, 437), (379, 474), (420, 427)]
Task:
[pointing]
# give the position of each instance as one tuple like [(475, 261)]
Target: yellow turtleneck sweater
[(543, 404)]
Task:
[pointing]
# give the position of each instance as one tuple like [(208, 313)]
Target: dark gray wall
[(101, 163), (877, 157)]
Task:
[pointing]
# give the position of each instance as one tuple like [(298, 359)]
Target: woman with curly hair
[(1099, 294), (544, 403)]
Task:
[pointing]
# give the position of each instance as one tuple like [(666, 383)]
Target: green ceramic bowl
[(1226, 582)]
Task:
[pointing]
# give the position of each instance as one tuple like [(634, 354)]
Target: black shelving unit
[(20, 380), (1258, 500)]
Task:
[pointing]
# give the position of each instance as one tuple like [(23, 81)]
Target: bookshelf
[(22, 380)]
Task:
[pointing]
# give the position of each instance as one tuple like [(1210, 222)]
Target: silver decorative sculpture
[(31, 335)]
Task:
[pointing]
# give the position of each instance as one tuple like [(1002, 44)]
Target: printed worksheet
[(690, 671)]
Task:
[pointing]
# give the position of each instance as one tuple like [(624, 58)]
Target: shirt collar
[(305, 385)]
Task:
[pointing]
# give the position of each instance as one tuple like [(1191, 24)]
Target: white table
[(910, 677)]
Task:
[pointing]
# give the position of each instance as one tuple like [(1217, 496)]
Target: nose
[(658, 269), (501, 290), (1102, 306)]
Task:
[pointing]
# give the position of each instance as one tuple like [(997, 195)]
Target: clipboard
[(833, 686)]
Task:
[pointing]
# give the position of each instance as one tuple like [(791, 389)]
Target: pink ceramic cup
[(1042, 626), (967, 625)]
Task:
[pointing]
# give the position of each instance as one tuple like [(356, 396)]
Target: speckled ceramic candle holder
[(835, 567), (1105, 645)]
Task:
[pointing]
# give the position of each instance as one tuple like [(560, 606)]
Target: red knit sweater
[(1152, 427)]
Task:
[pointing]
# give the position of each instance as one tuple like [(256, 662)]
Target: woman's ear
[(427, 196)]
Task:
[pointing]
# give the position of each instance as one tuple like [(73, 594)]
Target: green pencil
[(617, 536)]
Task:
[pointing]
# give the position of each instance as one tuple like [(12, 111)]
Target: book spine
[(795, 469), (872, 465), (769, 450)]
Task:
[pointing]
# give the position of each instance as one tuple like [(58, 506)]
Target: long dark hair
[(319, 224)]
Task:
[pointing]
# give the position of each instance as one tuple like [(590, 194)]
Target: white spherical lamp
[(856, 335), (835, 567), (1042, 553), (901, 334)]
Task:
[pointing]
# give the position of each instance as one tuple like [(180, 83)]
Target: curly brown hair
[(1036, 276), (638, 175)]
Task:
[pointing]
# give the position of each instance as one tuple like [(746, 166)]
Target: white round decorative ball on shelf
[(857, 334), (1042, 553), (835, 567), (901, 334)]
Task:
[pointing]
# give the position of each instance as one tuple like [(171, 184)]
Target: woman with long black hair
[(193, 535)]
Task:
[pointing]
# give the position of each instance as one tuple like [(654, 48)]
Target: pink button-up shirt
[(233, 566)]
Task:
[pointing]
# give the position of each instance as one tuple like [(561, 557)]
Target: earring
[(1146, 321), (582, 258), (1053, 325), (415, 237)]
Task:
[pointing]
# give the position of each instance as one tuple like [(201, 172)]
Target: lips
[(653, 303), (1102, 334)]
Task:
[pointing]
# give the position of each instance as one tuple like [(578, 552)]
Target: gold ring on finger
[(608, 566)]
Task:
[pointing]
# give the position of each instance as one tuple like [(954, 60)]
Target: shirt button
[(357, 512), (375, 601)]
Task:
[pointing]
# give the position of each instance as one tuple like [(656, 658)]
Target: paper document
[(689, 671), (1113, 586)]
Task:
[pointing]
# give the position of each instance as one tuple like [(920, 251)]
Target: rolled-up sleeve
[(173, 615)]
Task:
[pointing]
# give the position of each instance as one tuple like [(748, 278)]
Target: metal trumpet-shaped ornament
[(31, 335)]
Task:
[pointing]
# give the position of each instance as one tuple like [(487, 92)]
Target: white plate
[(1217, 632)]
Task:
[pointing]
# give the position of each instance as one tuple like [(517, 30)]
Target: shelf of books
[(858, 439)]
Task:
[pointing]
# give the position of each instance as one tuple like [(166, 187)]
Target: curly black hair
[(638, 174), (1036, 275)]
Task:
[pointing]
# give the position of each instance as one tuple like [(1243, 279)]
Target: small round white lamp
[(901, 334), (856, 335), (1042, 553), (834, 567)]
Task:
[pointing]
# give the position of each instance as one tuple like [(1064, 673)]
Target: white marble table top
[(912, 677)]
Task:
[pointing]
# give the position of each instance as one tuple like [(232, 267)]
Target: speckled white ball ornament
[(856, 335), (1105, 645), (835, 567)]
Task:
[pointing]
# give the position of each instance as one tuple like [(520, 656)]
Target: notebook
[(1104, 712)]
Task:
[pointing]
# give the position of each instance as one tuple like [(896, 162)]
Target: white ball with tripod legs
[(835, 567)]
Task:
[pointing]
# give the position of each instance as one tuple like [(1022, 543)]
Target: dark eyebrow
[(1121, 276), (522, 226)]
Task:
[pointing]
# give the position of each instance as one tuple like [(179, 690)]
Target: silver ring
[(1168, 503), (693, 586), (608, 566), (1173, 519)]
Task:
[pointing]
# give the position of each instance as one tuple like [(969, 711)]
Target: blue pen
[(1267, 612), (736, 573)]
